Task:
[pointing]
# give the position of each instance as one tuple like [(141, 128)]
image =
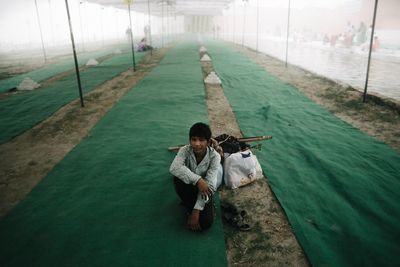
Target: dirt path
[(271, 241), (27, 158)]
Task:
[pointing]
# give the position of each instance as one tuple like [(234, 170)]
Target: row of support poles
[(370, 51), (149, 29), (74, 51), (287, 35), (40, 30), (131, 35)]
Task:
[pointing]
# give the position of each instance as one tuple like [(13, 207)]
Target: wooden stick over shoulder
[(243, 139), (255, 138)]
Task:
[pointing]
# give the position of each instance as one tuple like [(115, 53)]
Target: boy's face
[(199, 145)]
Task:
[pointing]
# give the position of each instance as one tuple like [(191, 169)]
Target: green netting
[(111, 201), (50, 70), (339, 188), (22, 111)]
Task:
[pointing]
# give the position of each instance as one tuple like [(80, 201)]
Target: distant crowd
[(353, 37)]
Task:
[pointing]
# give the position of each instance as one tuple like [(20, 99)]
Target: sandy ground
[(27, 158)]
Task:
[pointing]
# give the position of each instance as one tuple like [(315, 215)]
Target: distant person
[(196, 170), (128, 34), (361, 34), (147, 32), (325, 39), (143, 46), (334, 38), (376, 44)]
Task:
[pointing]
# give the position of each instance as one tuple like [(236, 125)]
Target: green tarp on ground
[(50, 70), (339, 188), (22, 111), (111, 201)]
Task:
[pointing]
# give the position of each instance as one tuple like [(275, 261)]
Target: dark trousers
[(188, 195)]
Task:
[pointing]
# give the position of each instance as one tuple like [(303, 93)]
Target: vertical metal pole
[(162, 23), (149, 12), (75, 58), (258, 15), (370, 51), (167, 27), (244, 21), (102, 27), (175, 26), (234, 14), (132, 46), (40, 30), (287, 34), (80, 20), (51, 23), (116, 25)]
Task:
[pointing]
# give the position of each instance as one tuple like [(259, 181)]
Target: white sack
[(241, 168), (205, 58), (92, 62), (212, 78), (28, 84)]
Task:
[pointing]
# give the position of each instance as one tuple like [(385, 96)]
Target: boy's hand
[(193, 220), (203, 188)]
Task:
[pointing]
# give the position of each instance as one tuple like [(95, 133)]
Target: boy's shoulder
[(185, 149), (213, 153)]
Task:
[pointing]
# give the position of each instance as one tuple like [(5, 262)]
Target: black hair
[(200, 129)]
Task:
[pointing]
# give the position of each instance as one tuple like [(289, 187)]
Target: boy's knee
[(206, 223), (207, 216)]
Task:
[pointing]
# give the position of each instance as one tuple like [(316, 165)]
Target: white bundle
[(28, 84), (212, 78), (241, 168), (92, 62), (203, 49), (205, 58)]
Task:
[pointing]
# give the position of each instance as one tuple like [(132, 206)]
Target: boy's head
[(200, 129), (199, 136)]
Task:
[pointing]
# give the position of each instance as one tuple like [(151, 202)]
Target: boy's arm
[(179, 169), (211, 175), (210, 179)]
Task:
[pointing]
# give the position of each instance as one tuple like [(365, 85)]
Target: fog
[(92, 24)]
